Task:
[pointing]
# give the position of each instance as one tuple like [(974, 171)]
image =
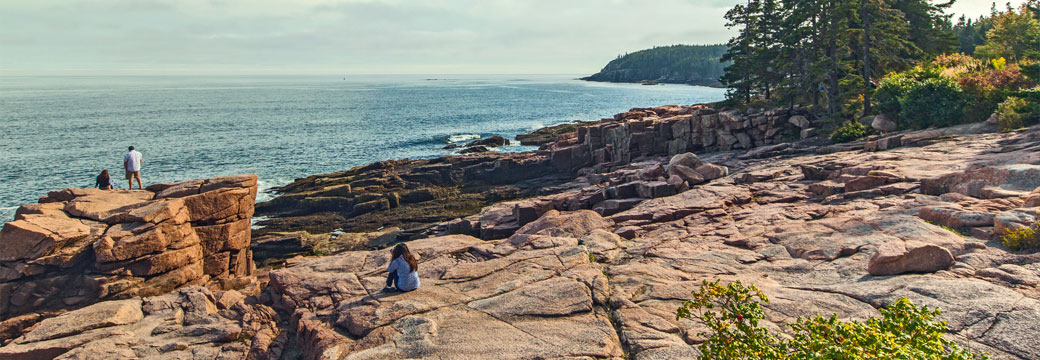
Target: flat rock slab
[(99, 315)]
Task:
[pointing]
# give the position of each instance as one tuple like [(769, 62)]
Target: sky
[(160, 37)]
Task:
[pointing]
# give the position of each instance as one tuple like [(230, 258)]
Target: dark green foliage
[(971, 33), (935, 102), (921, 98), (810, 51), (1030, 70), (849, 131), (687, 64), (733, 314)]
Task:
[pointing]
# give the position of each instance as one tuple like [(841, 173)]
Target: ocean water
[(60, 132)]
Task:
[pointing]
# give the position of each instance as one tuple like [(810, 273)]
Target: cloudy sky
[(106, 37)]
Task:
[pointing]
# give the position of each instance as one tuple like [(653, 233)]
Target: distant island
[(676, 64)]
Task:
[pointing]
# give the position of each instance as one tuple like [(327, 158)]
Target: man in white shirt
[(132, 164)]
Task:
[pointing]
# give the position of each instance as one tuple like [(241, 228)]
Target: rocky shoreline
[(582, 249)]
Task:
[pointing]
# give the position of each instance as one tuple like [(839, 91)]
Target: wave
[(7, 213), (457, 138)]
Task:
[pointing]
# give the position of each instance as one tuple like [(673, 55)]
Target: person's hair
[(103, 179), (131, 147), (402, 250)]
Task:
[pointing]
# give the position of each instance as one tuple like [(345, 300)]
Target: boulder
[(898, 257), (799, 121), (711, 171), (573, 224), (685, 173), (494, 141), (689, 160), (883, 123)]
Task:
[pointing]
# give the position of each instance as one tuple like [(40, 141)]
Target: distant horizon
[(364, 37)]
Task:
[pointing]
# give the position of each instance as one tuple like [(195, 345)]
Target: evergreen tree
[(1012, 36), (742, 52), (884, 39)]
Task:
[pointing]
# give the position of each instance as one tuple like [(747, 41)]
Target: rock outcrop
[(835, 230), (549, 255), (412, 194), (190, 323), (78, 246)]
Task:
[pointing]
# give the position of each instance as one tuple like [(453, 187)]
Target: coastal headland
[(581, 249)]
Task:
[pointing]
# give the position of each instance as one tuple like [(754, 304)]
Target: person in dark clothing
[(104, 182)]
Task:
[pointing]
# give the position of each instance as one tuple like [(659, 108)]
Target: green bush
[(733, 313), (849, 131), (933, 102), (892, 89), (1009, 116), (920, 98)]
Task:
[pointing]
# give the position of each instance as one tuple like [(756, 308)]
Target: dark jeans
[(392, 281)]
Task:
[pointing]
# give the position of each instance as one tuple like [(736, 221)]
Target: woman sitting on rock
[(402, 272), (104, 182)]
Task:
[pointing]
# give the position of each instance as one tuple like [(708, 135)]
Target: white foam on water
[(265, 186), (7, 213), (255, 220), (457, 138)]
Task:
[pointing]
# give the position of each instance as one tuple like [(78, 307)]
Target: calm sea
[(60, 132)]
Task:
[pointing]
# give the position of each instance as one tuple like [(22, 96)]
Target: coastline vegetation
[(733, 312), (851, 59)]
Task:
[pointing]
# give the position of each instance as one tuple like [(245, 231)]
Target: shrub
[(732, 314), (850, 130), (1022, 239), (933, 102), (1008, 115), (921, 97)]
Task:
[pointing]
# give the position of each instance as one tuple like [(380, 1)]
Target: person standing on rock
[(132, 164), (403, 270)]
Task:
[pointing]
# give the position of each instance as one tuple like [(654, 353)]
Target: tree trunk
[(832, 53), (866, 57)]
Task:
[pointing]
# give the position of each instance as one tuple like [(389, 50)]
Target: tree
[(884, 39), (1012, 36), (742, 52), (932, 29)]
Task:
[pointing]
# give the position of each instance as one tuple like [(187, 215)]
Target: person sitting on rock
[(402, 272), (104, 182)]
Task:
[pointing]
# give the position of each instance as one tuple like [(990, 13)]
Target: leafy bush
[(933, 102), (1008, 115), (921, 97), (732, 313), (1022, 239), (850, 130)]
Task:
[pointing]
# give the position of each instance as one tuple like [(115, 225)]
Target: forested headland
[(675, 64)]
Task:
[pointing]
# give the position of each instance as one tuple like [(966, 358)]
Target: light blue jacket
[(407, 280)]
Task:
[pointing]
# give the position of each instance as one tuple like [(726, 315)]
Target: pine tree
[(741, 54), (883, 38), (1012, 36)]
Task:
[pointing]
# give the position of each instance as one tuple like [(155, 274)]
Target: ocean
[(60, 132)]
